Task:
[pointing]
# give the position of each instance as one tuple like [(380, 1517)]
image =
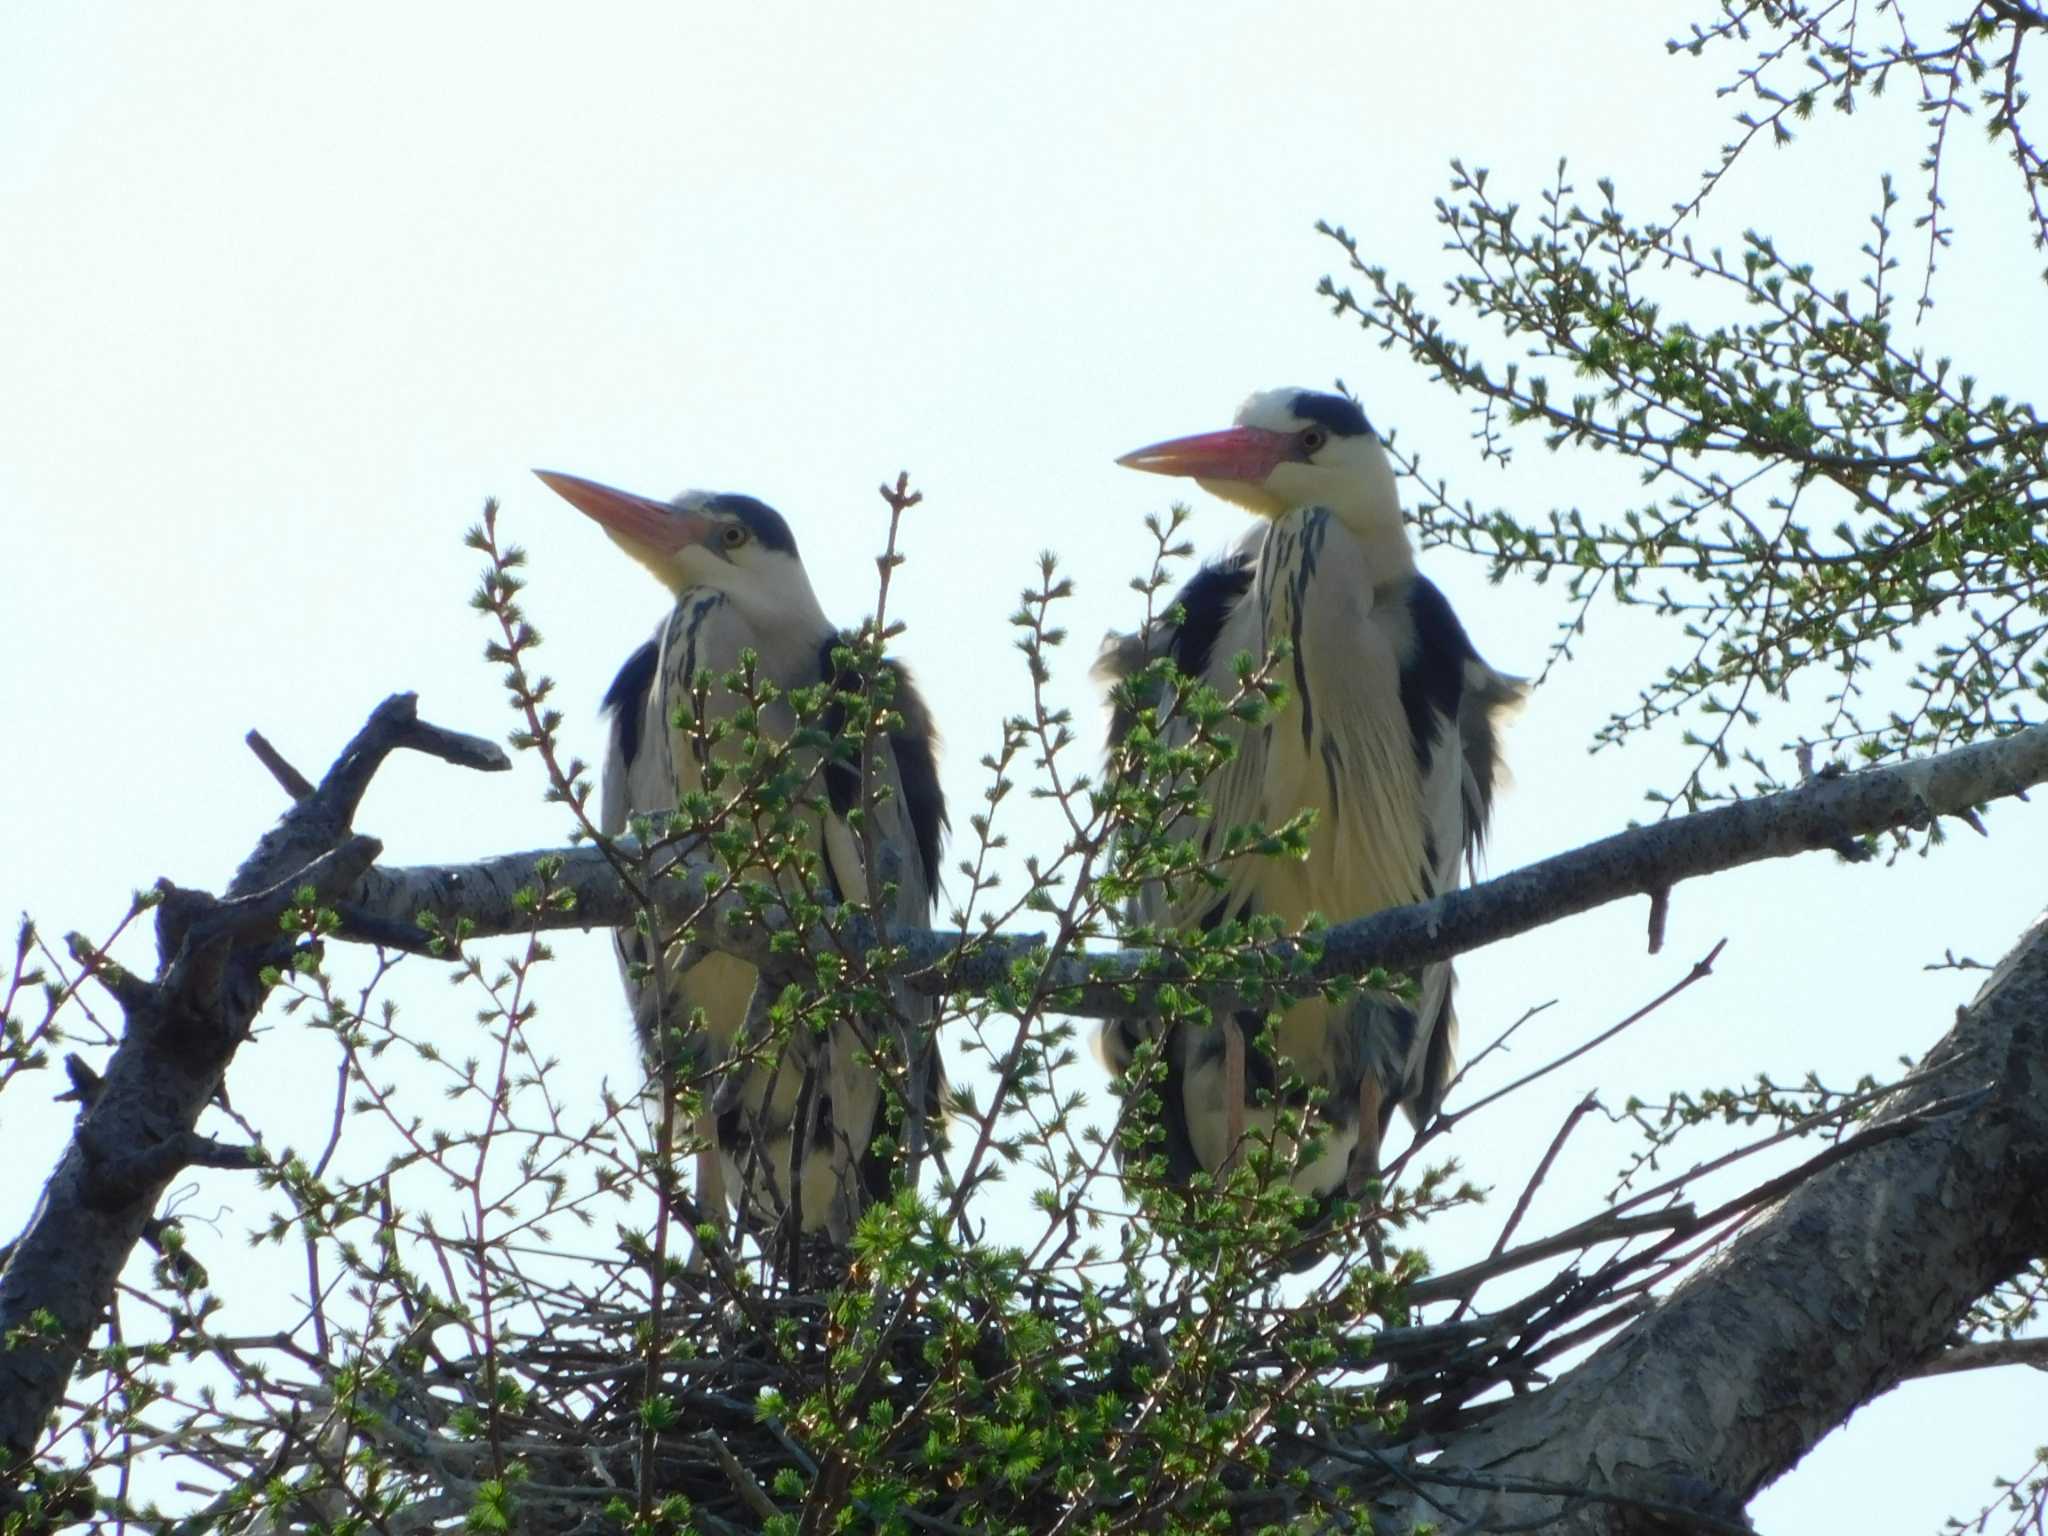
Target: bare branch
[(295, 783), (121, 1178), (1987, 1355), (1660, 914), (742, 1480), (394, 724), (1642, 860)]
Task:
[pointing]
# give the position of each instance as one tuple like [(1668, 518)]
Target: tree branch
[(137, 1128), (1643, 860), (1988, 1354), (1855, 1283), (292, 781)]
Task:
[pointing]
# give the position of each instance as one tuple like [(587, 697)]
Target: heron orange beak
[(1246, 454), (654, 525)]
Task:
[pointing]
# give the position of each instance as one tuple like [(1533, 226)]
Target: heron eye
[(1313, 439), (732, 535)]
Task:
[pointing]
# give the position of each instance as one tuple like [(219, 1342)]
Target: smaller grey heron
[(732, 566), (1390, 738)]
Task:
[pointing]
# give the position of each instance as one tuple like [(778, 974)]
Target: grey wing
[(1116, 1041), (1489, 698), (1122, 658), (914, 819), (637, 778), (625, 703), (1210, 624), (1458, 790), (908, 816)]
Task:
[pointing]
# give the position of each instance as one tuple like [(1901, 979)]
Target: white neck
[(1382, 540), (1354, 482), (788, 625)]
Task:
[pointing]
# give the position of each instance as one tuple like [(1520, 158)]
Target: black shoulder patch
[(1341, 416), (1433, 676), (917, 764), (1207, 598), (627, 697), (763, 520), (1206, 601), (842, 779)]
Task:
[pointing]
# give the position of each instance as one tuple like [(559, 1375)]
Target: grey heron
[(1390, 738), (731, 564)]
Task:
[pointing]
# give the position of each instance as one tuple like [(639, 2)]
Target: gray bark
[(1857, 1281)]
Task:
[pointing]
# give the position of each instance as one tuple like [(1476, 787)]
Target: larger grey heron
[(739, 585), (1389, 739)]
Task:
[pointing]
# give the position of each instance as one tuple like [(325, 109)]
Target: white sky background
[(284, 295)]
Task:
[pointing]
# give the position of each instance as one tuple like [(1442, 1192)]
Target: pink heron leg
[(1365, 1160), (1365, 1156)]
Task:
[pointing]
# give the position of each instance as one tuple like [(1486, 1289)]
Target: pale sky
[(287, 293)]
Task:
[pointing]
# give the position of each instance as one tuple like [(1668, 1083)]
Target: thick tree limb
[(1855, 1283), (1643, 860), (137, 1128)]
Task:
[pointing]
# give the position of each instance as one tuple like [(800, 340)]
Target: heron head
[(1289, 448), (730, 543)]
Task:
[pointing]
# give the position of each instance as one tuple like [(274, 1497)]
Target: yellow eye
[(732, 535)]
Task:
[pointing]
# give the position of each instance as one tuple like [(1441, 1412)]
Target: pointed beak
[(635, 520), (1246, 454)]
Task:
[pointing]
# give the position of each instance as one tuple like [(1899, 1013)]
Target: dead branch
[(137, 1129)]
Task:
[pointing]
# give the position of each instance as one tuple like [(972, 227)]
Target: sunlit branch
[(485, 896)]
